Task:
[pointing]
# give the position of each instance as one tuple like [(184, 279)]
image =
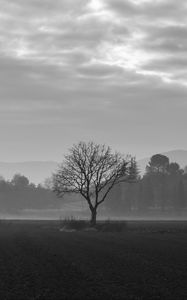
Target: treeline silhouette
[(162, 190), (18, 194)]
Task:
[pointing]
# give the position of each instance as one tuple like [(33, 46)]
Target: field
[(147, 261)]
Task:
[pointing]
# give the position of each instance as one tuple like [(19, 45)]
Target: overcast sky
[(112, 71)]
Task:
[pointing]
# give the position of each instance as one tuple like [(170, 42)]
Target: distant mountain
[(179, 156), (38, 171), (35, 171)]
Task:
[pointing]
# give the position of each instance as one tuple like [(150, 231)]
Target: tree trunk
[(93, 217)]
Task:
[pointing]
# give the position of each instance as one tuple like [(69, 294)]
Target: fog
[(159, 194)]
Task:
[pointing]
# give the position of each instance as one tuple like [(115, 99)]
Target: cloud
[(160, 9), (158, 35), (65, 64), (100, 70)]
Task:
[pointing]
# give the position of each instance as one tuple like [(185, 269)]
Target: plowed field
[(37, 261)]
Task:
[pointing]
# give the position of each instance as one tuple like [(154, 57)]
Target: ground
[(147, 261)]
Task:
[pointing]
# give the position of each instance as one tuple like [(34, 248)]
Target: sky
[(111, 71)]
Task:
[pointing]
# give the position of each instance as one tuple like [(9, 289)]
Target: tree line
[(161, 190), (103, 178), (19, 194)]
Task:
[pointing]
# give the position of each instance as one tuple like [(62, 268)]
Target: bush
[(72, 224)]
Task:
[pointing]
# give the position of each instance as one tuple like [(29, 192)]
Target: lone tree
[(92, 170)]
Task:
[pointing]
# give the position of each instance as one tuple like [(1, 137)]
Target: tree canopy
[(158, 164)]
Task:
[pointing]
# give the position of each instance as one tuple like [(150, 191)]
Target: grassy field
[(147, 261)]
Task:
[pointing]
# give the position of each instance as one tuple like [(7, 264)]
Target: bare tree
[(92, 170)]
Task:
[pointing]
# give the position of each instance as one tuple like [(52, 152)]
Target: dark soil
[(148, 261)]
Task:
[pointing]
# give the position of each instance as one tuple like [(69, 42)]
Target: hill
[(36, 171)]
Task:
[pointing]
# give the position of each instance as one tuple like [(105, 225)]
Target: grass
[(147, 261)]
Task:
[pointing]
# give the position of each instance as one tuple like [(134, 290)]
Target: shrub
[(106, 226)]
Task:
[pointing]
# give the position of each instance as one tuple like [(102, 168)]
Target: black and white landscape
[(93, 155)]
